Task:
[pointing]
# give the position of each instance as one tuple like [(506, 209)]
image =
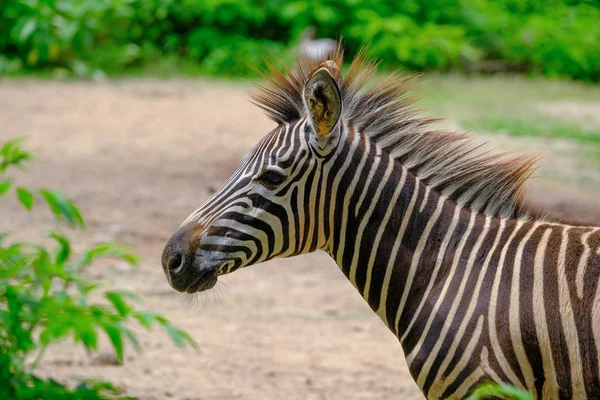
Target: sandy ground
[(138, 157)]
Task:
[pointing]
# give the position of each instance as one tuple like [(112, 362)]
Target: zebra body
[(468, 291), (474, 285)]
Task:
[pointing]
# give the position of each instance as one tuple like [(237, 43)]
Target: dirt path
[(138, 157)]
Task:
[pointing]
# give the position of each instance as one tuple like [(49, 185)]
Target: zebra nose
[(175, 263), (178, 257), (174, 259)]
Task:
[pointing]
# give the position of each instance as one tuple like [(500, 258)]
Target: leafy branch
[(45, 297)]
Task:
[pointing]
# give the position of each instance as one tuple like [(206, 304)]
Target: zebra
[(430, 228)]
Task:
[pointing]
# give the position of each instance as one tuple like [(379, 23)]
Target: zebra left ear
[(323, 102)]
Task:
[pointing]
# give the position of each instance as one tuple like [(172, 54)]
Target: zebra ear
[(323, 102)]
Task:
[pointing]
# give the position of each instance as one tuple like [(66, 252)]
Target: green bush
[(225, 37), (45, 297)]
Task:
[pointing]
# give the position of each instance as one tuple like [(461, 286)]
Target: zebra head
[(270, 206)]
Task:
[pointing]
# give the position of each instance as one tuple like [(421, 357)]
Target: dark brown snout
[(179, 263)]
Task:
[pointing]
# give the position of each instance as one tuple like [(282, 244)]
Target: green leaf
[(108, 250), (12, 154), (53, 332), (62, 207), (146, 318), (4, 186), (27, 29), (90, 339), (116, 299), (114, 334), (97, 389), (179, 337), (493, 390), (25, 197), (64, 247), (174, 335), (131, 336)]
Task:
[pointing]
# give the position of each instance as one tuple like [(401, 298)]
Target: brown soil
[(138, 157)]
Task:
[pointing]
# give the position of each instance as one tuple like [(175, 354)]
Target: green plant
[(225, 37), (40, 33), (45, 297), (492, 390)]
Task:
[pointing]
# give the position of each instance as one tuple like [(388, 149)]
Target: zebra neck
[(395, 241)]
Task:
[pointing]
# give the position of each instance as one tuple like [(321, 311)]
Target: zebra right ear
[(323, 102)]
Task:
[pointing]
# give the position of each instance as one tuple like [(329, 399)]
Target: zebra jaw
[(207, 276)]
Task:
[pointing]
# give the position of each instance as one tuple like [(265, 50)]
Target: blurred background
[(137, 110), (554, 38)]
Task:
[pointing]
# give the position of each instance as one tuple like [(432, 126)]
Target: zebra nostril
[(176, 263)]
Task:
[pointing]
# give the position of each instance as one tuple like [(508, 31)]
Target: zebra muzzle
[(179, 263)]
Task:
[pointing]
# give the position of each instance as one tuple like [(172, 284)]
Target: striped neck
[(395, 238)]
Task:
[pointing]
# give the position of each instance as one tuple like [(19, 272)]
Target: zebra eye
[(271, 179)]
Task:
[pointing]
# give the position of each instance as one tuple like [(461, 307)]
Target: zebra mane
[(385, 112)]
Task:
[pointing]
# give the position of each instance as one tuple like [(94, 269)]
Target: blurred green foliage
[(497, 391), (45, 297), (231, 37)]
